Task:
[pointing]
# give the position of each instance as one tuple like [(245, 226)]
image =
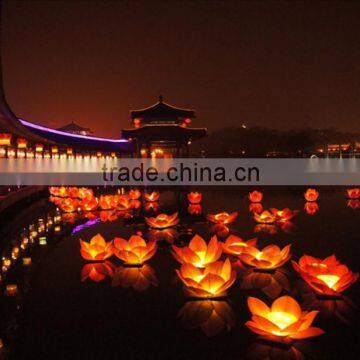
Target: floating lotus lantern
[(353, 193), (269, 258), (211, 316), (153, 196), (194, 209), (327, 277), (283, 215), (283, 321), (62, 191), (138, 278), (311, 195), (194, 197), (123, 202), (198, 253), (151, 206), (69, 205), (266, 217), (222, 218), (97, 249), (73, 192), (108, 202), (353, 204), (107, 215), (97, 271), (84, 193), (89, 203), (256, 208), (256, 196), (162, 221), (135, 251), (134, 194), (311, 207), (210, 282), (235, 245)]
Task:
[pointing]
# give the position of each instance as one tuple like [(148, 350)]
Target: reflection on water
[(97, 271), (138, 278), (211, 316), (271, 284), (263, 351)]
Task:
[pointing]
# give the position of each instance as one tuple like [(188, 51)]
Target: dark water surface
[(66, 318)]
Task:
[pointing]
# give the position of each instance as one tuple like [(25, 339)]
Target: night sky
[(280, 65)]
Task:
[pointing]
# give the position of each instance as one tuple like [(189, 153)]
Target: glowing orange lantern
[(353, 193), (284, 320), (222, 218), (84, 192), (194, 209), (135, 251), (21, 153), (194, 197), (139, 278), (266, 217), (198, 253), (137, 122), (256, 196), (11, 152), (99, 154), (73, 192), (162, 221), (63, 191), (54, 150), (235, 245), (311, 195), (107, 215), (107, 202), (311, 207), (21, 143), (134, 194), (69, 205), (2, 151), (97, 249), (327, 276), (39, 148), (69, 151), (211, 316), (283, 215), (89, 203), (5, 139), (154, 196), (212, 281), (124, 203), (97, 271), (269, 258)]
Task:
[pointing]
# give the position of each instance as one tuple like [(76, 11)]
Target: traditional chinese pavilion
[(162, 130)]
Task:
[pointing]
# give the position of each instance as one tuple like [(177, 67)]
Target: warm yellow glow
[(97, 249), (39, 147), (5, 139), (222, 218), (330, 280), (281, 319), (54, 149), (21, 143), (162, 221)]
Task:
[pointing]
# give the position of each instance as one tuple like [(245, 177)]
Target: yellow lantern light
[(39, 147), (30, 154), (21, 143), (11, 290), (54, 150), (5, 139), (27, 261), (69, 151), (99, 154)]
